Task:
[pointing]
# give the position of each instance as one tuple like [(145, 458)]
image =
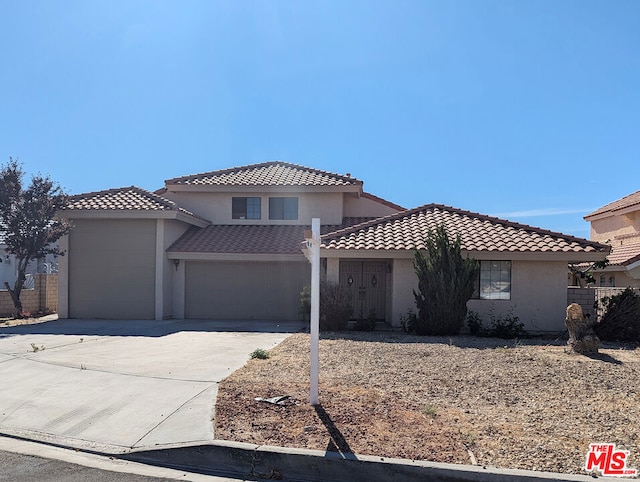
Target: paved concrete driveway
[(117, 385)]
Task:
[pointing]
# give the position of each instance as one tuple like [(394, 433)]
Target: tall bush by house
[(335, 307), (621, 320), (445, 284)]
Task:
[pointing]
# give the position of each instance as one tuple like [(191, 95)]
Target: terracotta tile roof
[(249, 239), (274, 173), (407, 230), (123, 199), (624, 255), (626, 202)]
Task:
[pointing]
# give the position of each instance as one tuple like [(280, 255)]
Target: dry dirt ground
[(515, 404), (9, 321)]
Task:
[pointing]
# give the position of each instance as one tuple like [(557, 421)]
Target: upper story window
[(283, 208), (494, 281), (245, 208)]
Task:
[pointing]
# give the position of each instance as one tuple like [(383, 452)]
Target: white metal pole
[(315, 310)]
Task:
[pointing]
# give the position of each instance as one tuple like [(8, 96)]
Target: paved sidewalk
[(112, 386)]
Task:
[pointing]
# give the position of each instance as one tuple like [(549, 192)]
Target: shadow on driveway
[(151, 328)]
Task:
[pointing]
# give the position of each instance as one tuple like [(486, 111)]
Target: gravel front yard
[(517, 404)]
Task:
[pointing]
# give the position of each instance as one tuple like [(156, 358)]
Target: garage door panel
[(112, 269), (244, 290)]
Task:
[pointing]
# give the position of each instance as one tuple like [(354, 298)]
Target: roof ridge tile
[(344, 180)]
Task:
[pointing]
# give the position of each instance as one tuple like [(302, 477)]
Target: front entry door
[(366, 281)]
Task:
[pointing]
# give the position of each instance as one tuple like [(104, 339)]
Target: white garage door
[(245, 290)]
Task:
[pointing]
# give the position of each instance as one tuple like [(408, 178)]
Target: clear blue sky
[(525, 109)]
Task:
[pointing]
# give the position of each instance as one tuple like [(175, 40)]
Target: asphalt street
[(22, 468)]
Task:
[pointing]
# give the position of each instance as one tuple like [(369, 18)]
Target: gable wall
[(365, 207), (217, 206), (612, 226)]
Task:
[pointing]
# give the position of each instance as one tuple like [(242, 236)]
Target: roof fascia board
[(191, 256), (131, 214), (270, 189), (598, 216), (633, 265), (634, 270), (627, 210)]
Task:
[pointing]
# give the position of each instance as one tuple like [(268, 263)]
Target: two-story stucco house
[(618, 224), (227, 245)]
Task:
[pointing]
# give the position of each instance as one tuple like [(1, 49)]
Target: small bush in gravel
[(508, 327), (368, 323), (474, 322), (260, 354), (621, 320), (408, 321)]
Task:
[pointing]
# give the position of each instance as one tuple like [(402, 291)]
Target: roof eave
[(257, 257)]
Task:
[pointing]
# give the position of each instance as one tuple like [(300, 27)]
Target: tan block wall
[(43, 298), (585, 297)]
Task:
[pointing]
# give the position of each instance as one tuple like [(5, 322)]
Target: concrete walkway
[(112, 386)]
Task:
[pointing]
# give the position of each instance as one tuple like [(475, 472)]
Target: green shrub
[(260, 354), (621, 320), (335, 307), (474, 322), (409, 321), (368, 323), (445, 284), (508, 327)]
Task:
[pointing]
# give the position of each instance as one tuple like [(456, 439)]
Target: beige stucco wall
[(612, 226), (538, 294), (404, 281), (216, 207), (111, 269), (172, 231), (365, 207), (622, 277)]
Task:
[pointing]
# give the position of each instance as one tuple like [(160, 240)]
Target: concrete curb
[(265, 462)]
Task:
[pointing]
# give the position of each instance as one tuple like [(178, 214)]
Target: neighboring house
[(618, 224), (227, 245), (8, 266)]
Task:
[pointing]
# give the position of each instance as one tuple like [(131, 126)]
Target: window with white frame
[(494, 280), (245, 208)]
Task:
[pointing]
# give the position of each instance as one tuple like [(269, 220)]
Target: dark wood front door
[(366, 280)]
